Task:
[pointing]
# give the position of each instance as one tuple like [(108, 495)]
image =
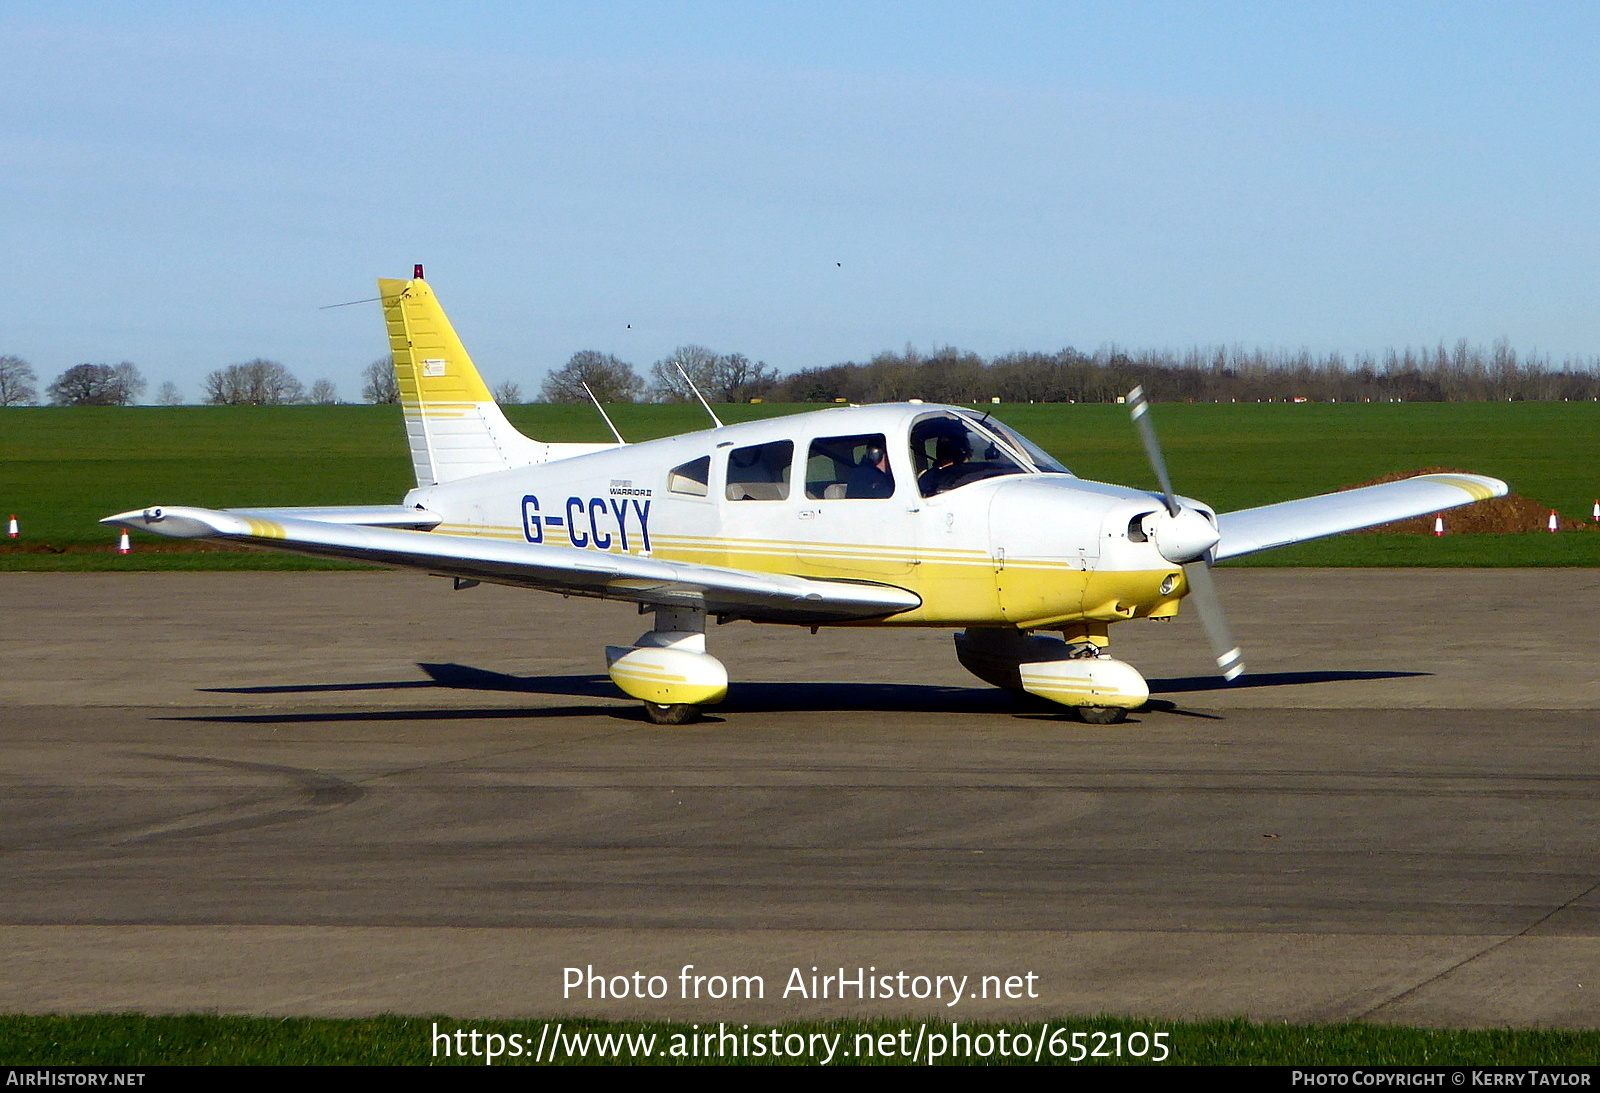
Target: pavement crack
[(1480, 954)]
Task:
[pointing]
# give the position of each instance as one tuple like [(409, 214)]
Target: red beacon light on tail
[(416, 272)]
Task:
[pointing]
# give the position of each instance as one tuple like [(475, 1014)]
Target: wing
[(763, 597), (1250, 530)]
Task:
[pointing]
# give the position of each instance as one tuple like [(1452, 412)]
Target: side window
[(760, 472), (691, 478), (849, 467)]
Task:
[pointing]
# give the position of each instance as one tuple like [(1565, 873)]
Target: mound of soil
[(1511, 513)]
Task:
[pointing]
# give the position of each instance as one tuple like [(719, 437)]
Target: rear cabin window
[(760, 472), (691, 478), (849, 467)]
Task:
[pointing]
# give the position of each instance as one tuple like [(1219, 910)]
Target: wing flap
[(766, 597), (386, 516), (1250, 530)]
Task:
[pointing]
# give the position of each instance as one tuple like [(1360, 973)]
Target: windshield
[(1022, 446)]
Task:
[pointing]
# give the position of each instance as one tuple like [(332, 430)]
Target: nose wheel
[(1098, 715), (677, 713)]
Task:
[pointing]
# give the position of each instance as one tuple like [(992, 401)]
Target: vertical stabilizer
[(452, 423)]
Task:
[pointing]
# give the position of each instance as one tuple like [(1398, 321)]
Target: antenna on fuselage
[(603, 413), (697, 394)]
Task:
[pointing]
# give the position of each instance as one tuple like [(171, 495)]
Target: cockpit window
[(849, 467), (1025, 447), (760, 472), (948, 451)]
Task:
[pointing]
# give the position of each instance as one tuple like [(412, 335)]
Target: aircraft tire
[(680, 713), (1100, 715)]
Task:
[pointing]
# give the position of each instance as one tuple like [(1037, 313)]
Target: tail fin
[(454, 427)]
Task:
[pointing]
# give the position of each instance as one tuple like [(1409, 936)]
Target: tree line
[(1459, 373), (1454, 374), (253, 383)]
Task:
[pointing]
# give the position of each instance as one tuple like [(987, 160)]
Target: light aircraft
[(903, 514)]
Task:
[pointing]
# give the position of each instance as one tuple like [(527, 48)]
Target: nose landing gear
[(1095, 688)]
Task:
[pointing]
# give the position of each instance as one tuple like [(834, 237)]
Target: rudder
[(453, 426)]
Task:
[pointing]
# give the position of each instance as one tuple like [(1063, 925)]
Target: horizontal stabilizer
[(764, 597), (1250, 530)]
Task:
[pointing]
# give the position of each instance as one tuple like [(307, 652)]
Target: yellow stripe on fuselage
[(957, 587)]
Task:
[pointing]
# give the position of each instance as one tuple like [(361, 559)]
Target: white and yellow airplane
[(902, 514)]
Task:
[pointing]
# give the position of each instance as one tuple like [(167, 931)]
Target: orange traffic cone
[(1555, 524), (123, 545), (11, 529), (1438, 525)]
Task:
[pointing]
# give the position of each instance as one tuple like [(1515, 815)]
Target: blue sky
[(186, 185)]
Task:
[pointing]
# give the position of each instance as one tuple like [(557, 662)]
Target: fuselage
[(1001, 537)]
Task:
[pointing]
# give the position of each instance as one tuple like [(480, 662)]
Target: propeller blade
[(1203, 591), (1139, 407)]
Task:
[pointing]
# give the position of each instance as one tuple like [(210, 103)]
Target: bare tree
[(16, 382), (736, 378), (130, 382), (508, 393), (169, 395), (254, 383), (610, 379), (667, 383), (381, 385), (323, 393), (97, 385), (721, 377)]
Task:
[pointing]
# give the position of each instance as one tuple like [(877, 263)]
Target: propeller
[(1187, 538)]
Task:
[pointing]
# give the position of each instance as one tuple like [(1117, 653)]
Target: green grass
[(132, 1040), (151, 561), (63, 469)]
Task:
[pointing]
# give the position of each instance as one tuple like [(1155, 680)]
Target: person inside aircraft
[(871, 476), (951, 454), (849, 467), (950, 451)]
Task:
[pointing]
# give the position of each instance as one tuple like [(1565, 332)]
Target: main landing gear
[(1073, 670), (668, 668)]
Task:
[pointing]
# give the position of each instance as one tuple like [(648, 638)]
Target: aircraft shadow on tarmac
[(749, 697), (742, 697), (1190, 684)]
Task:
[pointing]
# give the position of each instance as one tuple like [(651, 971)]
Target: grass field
[(62, 469), (131, 1040)]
